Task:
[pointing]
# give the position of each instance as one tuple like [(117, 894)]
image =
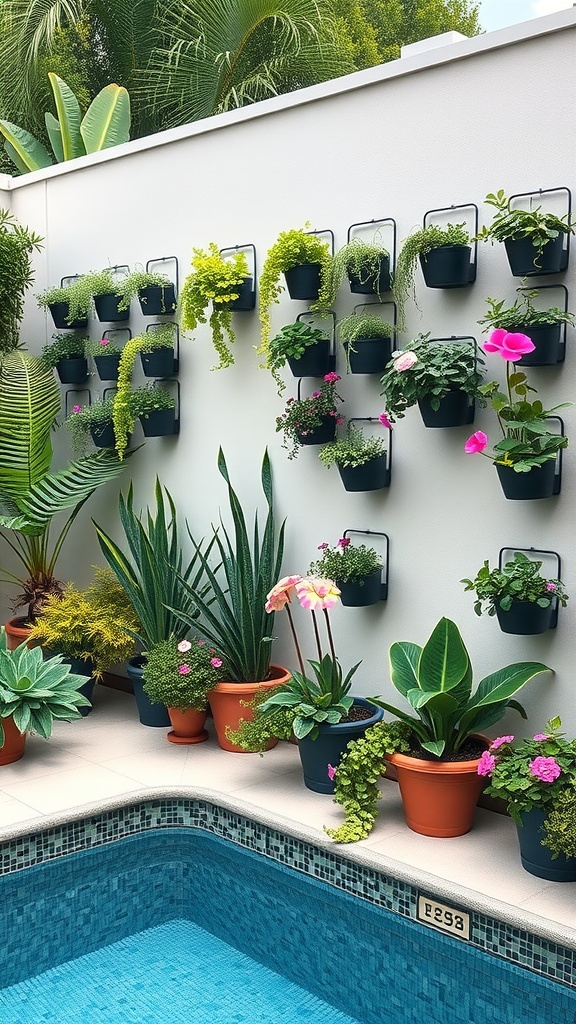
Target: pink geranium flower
[(510, 346), (405, 361), (546, 769), (184, 646), (487, 763), (184, 669), (550, 586), (331, 773), (331, 378), (540, 736), (385, 421), (476, 443), (343, 542), (317, 594), (500, 741), (280, 595), (216, 662), (105, 341), (76, 408)]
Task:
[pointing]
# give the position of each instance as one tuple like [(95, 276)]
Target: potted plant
[(442, 378), (66, 353), (361, 461), (69, 310), (155, 293), (542, 326), (105, 289), (522, 600), (305, 261), (179, 674), (150, 567), (106, 355), (156, 349), (305, 348), (33, 694), (257, 733), (366, 265), (324, 716), (155, 407), (534, 239), (444, 254), (229, 611), (355, 569), (537, 779), (367, 341), (525, 457), (436, 753), (311, 420), (95, 421), (92, 629), (216, 282)]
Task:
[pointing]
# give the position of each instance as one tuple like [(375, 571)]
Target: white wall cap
[(444, 39)]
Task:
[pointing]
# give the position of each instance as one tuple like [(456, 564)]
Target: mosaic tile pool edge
[(497, 938)]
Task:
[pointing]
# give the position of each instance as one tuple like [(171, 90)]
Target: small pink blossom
[(550, 586), (339, 421), (487, 763), (105, 341), (216, 662), (76, 408), (323, 546), (385, 421), (510, 346), (405, 361), (317, 594), (280, 595), (540, 736), (344, 542), (331, 378), (201, 643), (546, 769), (476, 443), (500, 741), (184, 669), (316, 394), (184, 646), (331, 773)]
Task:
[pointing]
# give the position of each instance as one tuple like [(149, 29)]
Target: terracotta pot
[(17, 632), (439, 797), (187, 726), (227, 710), (14, 742)]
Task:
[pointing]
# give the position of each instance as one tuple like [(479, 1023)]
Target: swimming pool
[(344, 933)]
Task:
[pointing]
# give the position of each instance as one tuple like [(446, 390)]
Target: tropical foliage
[(517, 580), (17, 243)]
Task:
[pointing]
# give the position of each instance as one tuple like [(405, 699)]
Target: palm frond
[(29, 404)]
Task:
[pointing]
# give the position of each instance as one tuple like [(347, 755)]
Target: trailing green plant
[(358, 258), (150, 398), (106, 123), (291, 249), (214, 280), (291, 342), (238, 585), (124, 415), (346, 562), (102, 347), (17, 244), (129, 286), (150, 567), (180, 674), (302, 416), (420, 243), (255, 733), (431, 370), (75, 293), (523, 313), (534, 224), (84, 419), (97, 624), (63, 346), (353, 449), (519, 579), (560, 825), (35, 692)]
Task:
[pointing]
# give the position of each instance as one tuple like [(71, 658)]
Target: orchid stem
[(317, 636), (296, 644), (329, 631)]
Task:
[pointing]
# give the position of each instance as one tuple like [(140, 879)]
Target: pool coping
[(515, 917)]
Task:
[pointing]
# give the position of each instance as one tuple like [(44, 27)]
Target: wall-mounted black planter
[(372, 355), (548, 341), (59, 312), (159, 363), (371, 476), (102, 435), (456, 410), (107, 366), (246, 299), (303, 281), (377, 284), (448, 266), (360, 595), (72, 371), (107, 308), (323, 434), (525, 261), (159, 423), (525, 618), (314, 362), (157, 301), (540, 482)]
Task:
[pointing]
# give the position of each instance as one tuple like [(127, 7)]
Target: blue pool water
[(176, 899)]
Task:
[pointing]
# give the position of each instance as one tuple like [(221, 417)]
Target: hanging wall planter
[(303, 282), (357, 571), (73, 370), (540, 482), (107, 366), (371, 476), (155, 407), (373, 469), (247, 290), (361, 594), (61, 300), (106, 353), (163, 361), (450, 266), (455, 410), (375, 280), (320, 435), (318, 358), (157, 299), (367, 339), (525, 618), (537, 241), (107, 309), (60, 312), (524, 262)]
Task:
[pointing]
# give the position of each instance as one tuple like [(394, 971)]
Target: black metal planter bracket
[(166, 384), (76, 392), (324, 231), (375, 419), (251, 248), (564, 290), (375, 222), (321, 316), (385, 570), (561, 190), (380, 305), (472, 341), (558, 468), (166, 259), (502, 558), (473, 231), (64, 281), (154, 327), (117, 330)]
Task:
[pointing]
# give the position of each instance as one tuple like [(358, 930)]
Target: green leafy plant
[(106, 123), (358, 258), (518, 579), (523, 313), (179, 674), (83, 420), (429, 369), (63, 346), (291, 342), (537, 226), (214, 280), (560, 824), (130, 285), (360, 327), (124, 414), (354, 449), (149, 399), (253, 734), (237, 586), (291, 249), (75, 293), (102, 347), (346, 562), (97, 624), (420, 243), (17, 243), (35, 692), (303, 416)]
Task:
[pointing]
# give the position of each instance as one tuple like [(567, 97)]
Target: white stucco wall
[(430, 131)]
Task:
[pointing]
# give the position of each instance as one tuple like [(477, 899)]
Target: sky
[(499, 13)]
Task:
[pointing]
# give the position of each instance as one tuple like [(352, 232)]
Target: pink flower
[(184, 669), (201, 643), (405, 361), (184, 646), (280, 595), (500, 741), (550, 586), (216, 662), (105, 341), (339, 421), (344, 542), (317, 594), (385, 421), (540, 736), (487, 763), (546, 769), (322, 547), (331, 378), (476, 443), (76, 408), (510, 346), (316, 394), (331, 772)]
